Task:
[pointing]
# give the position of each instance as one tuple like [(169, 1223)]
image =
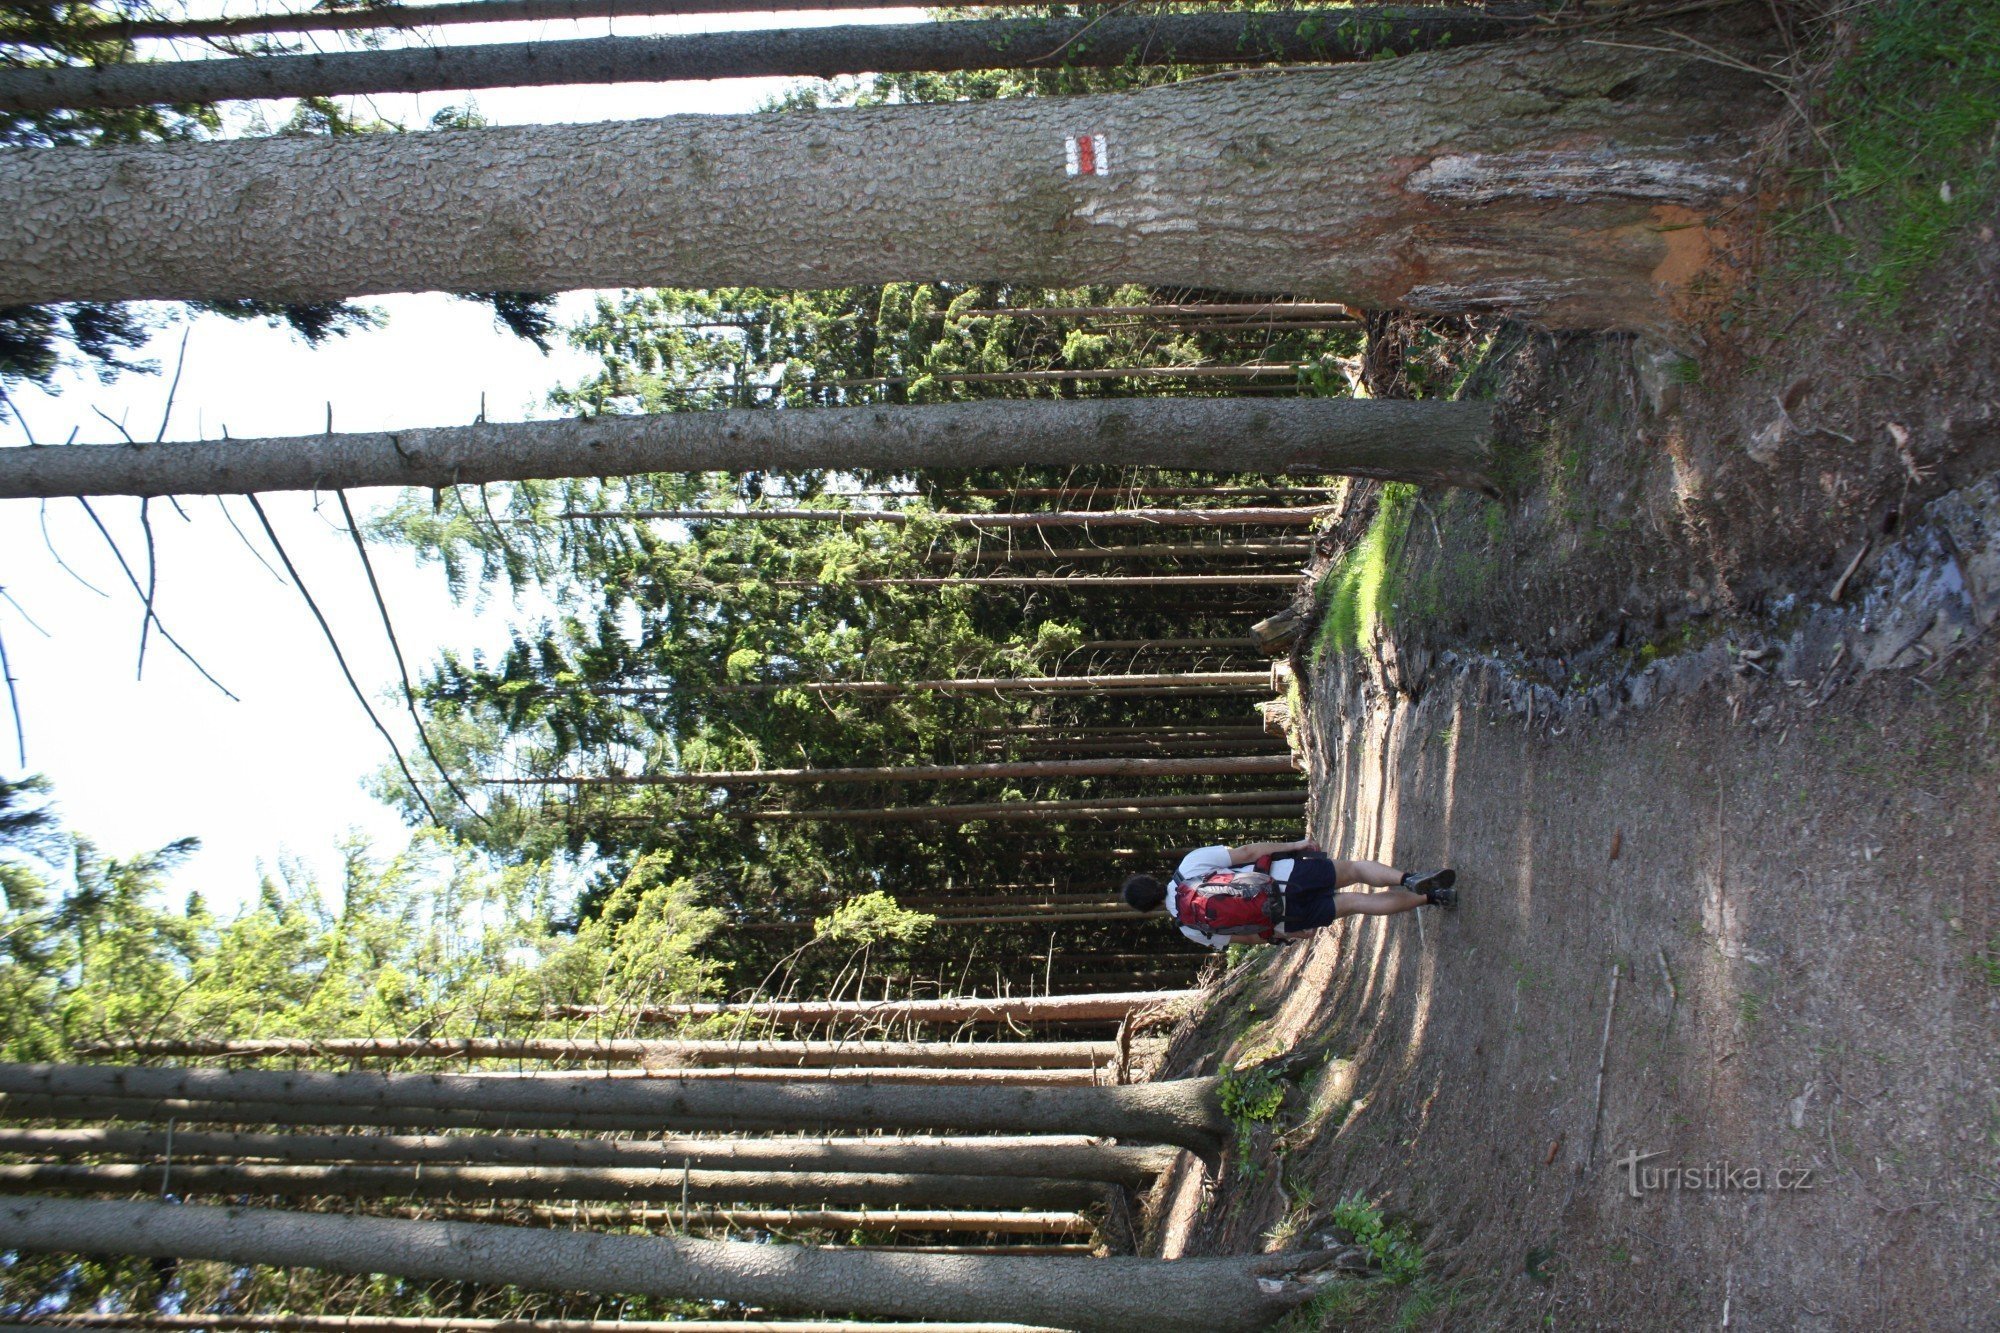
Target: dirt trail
[(1710, 702), (1799, 913)]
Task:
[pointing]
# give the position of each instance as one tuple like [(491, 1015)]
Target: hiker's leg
[(1372, 873), (1388, 903)]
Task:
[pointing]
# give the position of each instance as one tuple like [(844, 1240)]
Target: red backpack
[(1238, 901)]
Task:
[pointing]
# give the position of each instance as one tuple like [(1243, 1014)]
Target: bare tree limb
[(341, 657), (402, 668), (133, 579), (14, 701)]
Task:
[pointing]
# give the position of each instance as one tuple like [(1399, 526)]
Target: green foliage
[(1913, 112), (432, 939), (1250, 1098), (1355, 594), (873, 918), (1389, 1244)]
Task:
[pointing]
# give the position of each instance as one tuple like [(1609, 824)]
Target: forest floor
[(1701, 708)]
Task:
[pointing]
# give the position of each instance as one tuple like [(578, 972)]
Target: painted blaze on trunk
[(1564, 183)]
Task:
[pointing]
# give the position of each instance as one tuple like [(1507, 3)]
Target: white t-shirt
[(1200, 862)]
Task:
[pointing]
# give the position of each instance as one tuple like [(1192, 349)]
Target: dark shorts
[(1309, 893)]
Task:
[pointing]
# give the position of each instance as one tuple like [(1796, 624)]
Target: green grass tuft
[(1354, 593), (1913, 119)]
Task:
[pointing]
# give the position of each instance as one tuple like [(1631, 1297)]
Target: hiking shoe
[(1445, 898), (1436, 879)]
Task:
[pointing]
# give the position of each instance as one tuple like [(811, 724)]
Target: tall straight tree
[(1107, 41), (1570, 183), (1203, 1295), (1442, 443)]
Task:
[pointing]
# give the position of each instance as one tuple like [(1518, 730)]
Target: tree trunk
[(953, 1009), (1182, 1112), (421, 16), (431, 1180), (1277, 312), (1111, 767), (1087, 804), (344, 1323), (1254, 681), (914, 1054), (1295, 516), (933, 814), (1212, 551), (903, 1220), (1099, 1296), (1052, 1157), (1287, 37), (1436, 442), (1566, 183), (1253, 371), (1063, 582)]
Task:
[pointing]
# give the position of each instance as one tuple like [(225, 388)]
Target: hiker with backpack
[(1266, 892)]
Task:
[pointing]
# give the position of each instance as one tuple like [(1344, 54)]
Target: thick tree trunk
[(913, 1054), (1435, 442), (432, 1180), (1288, 37), (1110, 767), (1563, 183), (951, 1009), (1051, 1157), (1182, 1112), (1098, 1296)]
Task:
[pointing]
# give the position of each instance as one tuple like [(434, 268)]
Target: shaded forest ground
[(1706, 696)]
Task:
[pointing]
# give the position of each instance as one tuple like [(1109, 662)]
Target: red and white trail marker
[(1086, 155)]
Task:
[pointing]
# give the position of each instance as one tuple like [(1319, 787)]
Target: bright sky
[(280, 772)]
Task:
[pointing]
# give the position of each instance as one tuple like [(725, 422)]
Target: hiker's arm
[(1250, 851)]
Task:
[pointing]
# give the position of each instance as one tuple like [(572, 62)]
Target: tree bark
[(1250, 680), (1080, 804), (1066, 582), (1276, 312), (343, 1323), (423, 16), (900, 1220), (951, 1009), (1052, 1157), (1112, 766), (1101, 1296), (1182, 1112), (1287, 37), (1563, 183), (1211, 551), (346, 1323), (1296, 516), (642, 1185), (602, 1050), (1435, 442), (933, 814)]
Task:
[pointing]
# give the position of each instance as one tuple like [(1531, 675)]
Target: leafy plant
[(1250, 1098), (1390, 1244), (873, 918)]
